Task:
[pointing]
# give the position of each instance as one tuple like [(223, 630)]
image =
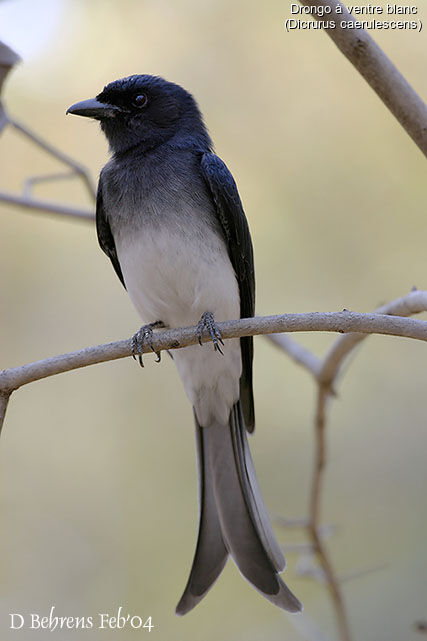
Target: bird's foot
[(207, 321), (145, 335)]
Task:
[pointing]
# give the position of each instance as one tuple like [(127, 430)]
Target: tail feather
[(251, 491), (233, 518), (211, 554)]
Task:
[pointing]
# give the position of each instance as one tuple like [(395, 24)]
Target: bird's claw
[(207, 321), (144, 335)]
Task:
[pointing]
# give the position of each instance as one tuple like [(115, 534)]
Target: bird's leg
[(207, 321), (145, 335)]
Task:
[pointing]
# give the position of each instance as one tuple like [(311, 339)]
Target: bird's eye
[(139, 100)]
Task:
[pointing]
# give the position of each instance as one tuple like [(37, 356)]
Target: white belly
[(174, 275)]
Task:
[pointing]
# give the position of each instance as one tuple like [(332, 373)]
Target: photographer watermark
[(120, 620)]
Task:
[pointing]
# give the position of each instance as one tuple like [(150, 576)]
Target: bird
[(170, 218)]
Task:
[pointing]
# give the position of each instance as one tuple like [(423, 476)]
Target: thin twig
[(297, 352), (377, 69), (47, 207), (25, 200), (315, 499), (326, 369), (34, 180), (413, 303), (57, 153)]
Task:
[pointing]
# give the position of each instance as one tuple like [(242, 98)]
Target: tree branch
[(379, 72), (47, 207), (413, 303), (314, 525), (13, 378), (8, 59), (297, 352), (325, 372), (27, 201), (326, 369), (56, 153)]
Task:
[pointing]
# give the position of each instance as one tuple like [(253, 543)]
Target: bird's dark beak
[(92, 108)]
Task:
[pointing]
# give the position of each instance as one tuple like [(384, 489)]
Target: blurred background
[(98, 491)]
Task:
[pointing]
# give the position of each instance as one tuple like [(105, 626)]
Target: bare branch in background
[(8, 59), (413, 303), (47, 207), (378, 70), (298, 353), (411, 111), (27, 201), (44, 206), (76, 167), (325, 372), (320, 547)]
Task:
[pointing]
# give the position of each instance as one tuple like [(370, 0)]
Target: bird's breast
[(176, 267)]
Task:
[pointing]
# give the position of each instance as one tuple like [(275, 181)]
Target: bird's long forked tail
[(233, 519)]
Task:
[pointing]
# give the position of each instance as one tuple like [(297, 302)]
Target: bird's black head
[(145, 111)]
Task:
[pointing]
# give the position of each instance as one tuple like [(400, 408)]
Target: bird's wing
[(105, 237), (229, 210)]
